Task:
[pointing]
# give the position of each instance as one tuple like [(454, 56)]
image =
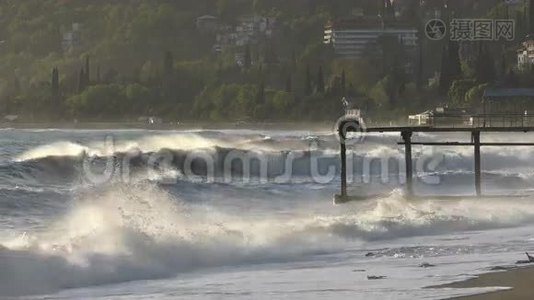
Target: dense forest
[(118, 60)]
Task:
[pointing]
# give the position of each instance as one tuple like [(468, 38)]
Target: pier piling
[(478, 176), (343, 170), (407, 134), (407, 137)]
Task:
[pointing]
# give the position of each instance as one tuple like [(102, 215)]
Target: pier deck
[(448, 129), (406, 133)]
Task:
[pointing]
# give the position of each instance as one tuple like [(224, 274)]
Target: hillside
[(107, 60)]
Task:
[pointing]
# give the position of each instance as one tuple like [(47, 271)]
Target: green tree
[(451, 68), (99, 101), (474, 96), (168, 77), (484, 67), (379, 93), (139, 98), (243, 107), (458, 91), (282, 102)]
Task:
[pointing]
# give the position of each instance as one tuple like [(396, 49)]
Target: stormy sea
[(248, 214)]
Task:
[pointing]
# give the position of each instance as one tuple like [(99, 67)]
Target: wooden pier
[(406, 134)]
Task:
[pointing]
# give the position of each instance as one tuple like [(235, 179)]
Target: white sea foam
[(55, 149), (145, 144), (125, 233)]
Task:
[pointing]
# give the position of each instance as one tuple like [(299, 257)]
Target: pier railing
[(480, 121), (504, 120)]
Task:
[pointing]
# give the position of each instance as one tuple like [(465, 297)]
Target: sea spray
[(132, 232)]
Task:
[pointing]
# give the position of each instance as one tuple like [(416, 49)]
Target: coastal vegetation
[(118, 60)]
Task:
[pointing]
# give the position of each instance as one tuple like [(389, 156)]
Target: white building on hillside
[(248, 30), (72, 39), (351, 38), (207, 24), (525, 55)]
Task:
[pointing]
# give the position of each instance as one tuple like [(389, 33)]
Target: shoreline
[(514, 283), (312, 126)]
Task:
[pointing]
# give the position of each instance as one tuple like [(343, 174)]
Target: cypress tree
[(445, 79), (511, 79), (55, 89), (294, 62), (420, 66), (168, 65), (55, 100), (390, 9), (526, 18), (98, 74), (454, 60), (386, 9), (320, 81), (16, 85), (343, 83), (247, 58), (413, 12), (503, 66), (289, 84), (168, 74), (520, 24), (451, 68), (55, 83), (308, 83), (81, 81), (87, 71), (484, 67), (270, 56), (260, 93)]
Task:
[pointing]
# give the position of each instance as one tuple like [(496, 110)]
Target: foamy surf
[(127, 233), (63, 238), (145, 144)]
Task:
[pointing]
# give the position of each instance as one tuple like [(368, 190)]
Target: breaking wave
[(124, 233), (168, 157)]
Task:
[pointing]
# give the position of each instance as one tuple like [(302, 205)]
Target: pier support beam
[(407, 137), (343, 170), (478, 176)]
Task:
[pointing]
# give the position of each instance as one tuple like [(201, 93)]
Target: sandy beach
[(520, 281)]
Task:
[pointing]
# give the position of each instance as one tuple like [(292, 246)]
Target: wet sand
[(521, 282)]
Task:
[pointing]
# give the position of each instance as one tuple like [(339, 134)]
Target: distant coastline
[(312, 126)]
